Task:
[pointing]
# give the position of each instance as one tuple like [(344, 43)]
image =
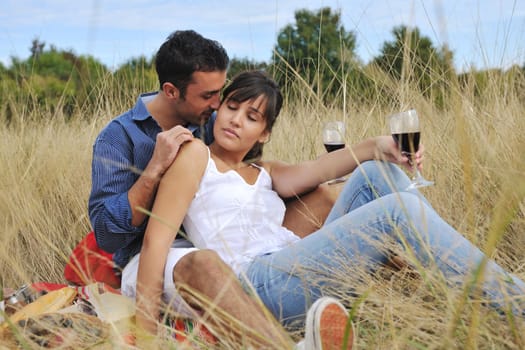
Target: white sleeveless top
[(237, 220)]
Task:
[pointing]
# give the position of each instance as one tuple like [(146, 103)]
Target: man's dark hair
[(185, 52)]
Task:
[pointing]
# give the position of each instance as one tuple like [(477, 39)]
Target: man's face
[(202, 97)]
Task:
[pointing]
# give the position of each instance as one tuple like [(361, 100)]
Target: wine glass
[(334, 139), (406, 132)]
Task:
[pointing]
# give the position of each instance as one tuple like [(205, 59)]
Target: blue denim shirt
[(121, 151)]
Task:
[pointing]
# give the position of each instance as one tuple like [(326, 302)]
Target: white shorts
[(169, 294)]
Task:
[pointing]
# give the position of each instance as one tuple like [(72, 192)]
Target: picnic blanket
[(89, 312), (79, 317)]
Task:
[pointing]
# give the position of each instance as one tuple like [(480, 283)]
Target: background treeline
[(315, 52)]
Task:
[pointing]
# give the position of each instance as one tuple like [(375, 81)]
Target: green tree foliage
[(5, 86), (37, 47), (135, 76), (316, 49), (55, 80), (479, 84), (413, 59), (313, 57), (238, 65)]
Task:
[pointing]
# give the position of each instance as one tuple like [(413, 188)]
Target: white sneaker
[(327, 323)]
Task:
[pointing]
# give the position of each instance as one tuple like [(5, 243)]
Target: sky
[(481, 33)]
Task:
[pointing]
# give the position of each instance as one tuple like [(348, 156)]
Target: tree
[(56, 80), (3, 70), (139, 63), (135, 76), (37, 47), (413, 59), (238, 65), (316, 48)]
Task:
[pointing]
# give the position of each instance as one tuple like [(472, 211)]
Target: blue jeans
[(373, 209)]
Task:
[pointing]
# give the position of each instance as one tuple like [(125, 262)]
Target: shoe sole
[(332, 337)]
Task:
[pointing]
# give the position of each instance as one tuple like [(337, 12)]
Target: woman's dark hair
[(250, 85), (185, 52)]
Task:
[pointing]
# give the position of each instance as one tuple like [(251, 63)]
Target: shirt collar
[(140, 112), (192, 127)]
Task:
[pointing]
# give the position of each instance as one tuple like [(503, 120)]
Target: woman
[(232, 205)]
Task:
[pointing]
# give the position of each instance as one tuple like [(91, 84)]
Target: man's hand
[(166, 148)]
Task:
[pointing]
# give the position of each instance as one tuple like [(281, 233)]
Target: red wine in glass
[(334, 139), (408, 142), (405, 130), (332, 146)]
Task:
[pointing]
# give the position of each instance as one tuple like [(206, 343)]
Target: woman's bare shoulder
[(192, 155), (271, 165), (193, 150)]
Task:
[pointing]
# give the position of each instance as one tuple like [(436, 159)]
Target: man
[(131, 154)]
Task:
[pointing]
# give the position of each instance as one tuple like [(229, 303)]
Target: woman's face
[(239, 125)]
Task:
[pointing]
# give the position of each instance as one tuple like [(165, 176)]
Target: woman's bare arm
[(175, 193), (291, 180)]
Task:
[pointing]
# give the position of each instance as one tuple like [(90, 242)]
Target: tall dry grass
[(474, 152)]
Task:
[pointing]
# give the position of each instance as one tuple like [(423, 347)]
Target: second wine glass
[(334, 139), (406, 132)]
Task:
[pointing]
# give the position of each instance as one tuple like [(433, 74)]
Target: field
[(475, 148)]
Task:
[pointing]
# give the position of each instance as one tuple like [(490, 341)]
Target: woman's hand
[(387, 149)]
